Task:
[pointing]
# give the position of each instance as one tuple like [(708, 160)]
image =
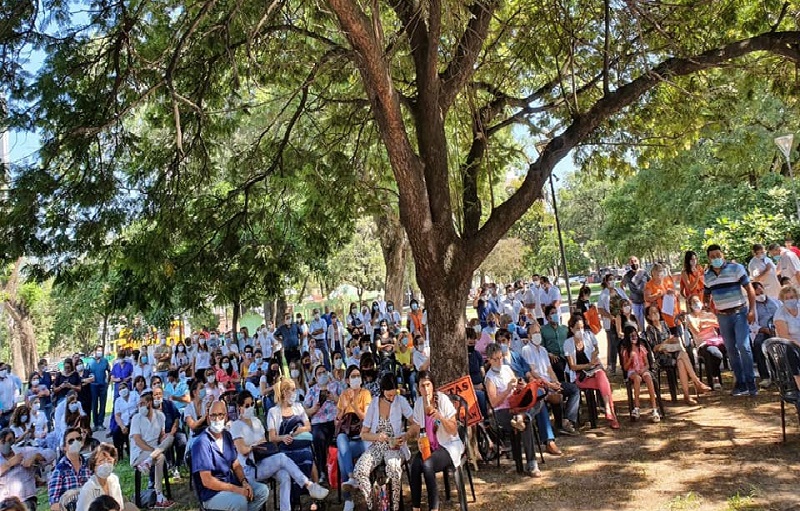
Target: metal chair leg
[(783, 420)]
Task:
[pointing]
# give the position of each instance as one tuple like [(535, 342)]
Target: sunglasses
[(73, 440)]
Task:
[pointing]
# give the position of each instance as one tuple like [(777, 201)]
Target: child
[(636, 365)]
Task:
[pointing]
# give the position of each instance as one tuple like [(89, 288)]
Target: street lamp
[(784, 143)]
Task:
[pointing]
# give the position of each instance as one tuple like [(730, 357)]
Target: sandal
[(702, 388), (614, 423), (690, 401)]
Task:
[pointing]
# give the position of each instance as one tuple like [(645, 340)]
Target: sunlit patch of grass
[(684, 502), (741, 502)]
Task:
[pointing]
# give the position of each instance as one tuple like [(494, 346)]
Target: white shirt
[(202, 360), (758, 267), (789, 264), (8, 394), (145, 371), (589, 347), (92, 489), (550, 296), (398, 409), (604, 303), (501, 381), (274, 416), (252, 434), (538, 359), (792, 322), (125, 408), (149, 429), (532, 301), (318, 324), (418, 359), (451, 443), (336, 332), (39, 421)]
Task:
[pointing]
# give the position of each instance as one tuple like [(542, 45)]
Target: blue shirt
[(291, 335), (207, 457), (171, 414), (99, 368), (726, 288), (484, 308), (44, 379), (518, 365), (179, 389), (123, 370)]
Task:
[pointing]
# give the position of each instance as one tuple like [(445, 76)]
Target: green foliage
[(359, 262), (506, 262)]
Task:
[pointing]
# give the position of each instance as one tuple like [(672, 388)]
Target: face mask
[(98, 354), (249, 413), (291, 399), (384, 329), (181, 349), (79, 368), (104, 470), (143, 410), (554, 318), (316, 317), (211, 379), (477, 329), (75, 447), (216, 427), (791, 303), (355, 383), (536, 339), (182, 376), (73, 407), (414, 306), (492, 324), (717, 262), (34, 383), (697, 307), (634, 267), (390, 308), (470, 348), (157, 403), (353, 310), (124, 392), (338, 361), (404, 342), (761, 298), (294, 373), (36, 407), (163, 342), (247, 354), (626, 309), (24, 419), (225, 365), (143, 360), (202, 341), (323, 379)]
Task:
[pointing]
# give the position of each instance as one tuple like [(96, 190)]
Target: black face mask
[(634, 267), (470, 349), (369, 374)]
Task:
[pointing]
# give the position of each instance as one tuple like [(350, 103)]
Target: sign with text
[(463, 387)]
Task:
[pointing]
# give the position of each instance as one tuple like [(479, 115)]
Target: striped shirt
[(726, 288)]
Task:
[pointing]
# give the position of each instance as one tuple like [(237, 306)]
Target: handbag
[(333, 467), (524, 399), (350, 425)]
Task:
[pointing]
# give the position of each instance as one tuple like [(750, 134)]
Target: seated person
[(177, 389), (523, 372), (476, 371), (213, 388), (247, 433), (320, 406), (124, 407), (500, 383), (17, 473), (148, 443), (402, 356), (227, 375), (705, 329), (104, 503), (382, 430), (218, 475), (196, 413), (13, 504), (766, 307), (636, 364), (172, 419), (68, 414), (104, 482), (554, 335), (71, 472), (585, 370), (369, 374), (436, 411), (38, 422), (669, 350), (537, 358), (787, 326), (354, 400)]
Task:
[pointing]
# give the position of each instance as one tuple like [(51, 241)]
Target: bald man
[(220, 479)]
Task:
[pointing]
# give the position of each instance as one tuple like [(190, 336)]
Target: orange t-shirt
[(693, 283), (659, 290)]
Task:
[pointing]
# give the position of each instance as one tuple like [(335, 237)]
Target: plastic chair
[(778, 352), (69, 499)]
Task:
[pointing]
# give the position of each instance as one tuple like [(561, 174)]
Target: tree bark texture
[(394, 246), (23, 338)]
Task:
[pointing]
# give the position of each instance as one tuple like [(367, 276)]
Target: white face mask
[(124, 392), (73, 407), (249, 413), (536, 339), (225, 365), (761, 298), (143, 410), (75, 447), (355, 383), (216, 427), (211, 379), (626, 309), (104, 470), (291, 399), (294, 373)]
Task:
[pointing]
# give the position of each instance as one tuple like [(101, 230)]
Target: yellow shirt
[(352, 400), (403, 358)]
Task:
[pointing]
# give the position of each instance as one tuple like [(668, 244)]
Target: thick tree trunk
[(269, 311), (280, 309), (394, 246), (237, 309), (24, 351), (445, 303)]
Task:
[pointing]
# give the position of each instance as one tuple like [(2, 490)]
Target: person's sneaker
[(740, 391), (350, 484), (765, 383), (567, 428), (635, 413), (655, 417), (164, 504), (752, 389), (317, 492), (532, 469), (349, 506), (176, 474)]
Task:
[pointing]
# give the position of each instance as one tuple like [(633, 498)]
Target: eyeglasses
[(73, 440), (217, 416)]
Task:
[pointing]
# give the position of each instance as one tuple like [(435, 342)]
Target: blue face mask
[(717, 262), (555, 318), (504, 349), (777, 258), (791, 303)]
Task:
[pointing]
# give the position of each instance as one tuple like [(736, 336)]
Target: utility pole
[(560, 241)]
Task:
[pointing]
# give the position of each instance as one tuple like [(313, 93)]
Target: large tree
[(436, 85)]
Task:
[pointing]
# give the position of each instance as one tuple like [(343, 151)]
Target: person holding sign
[(436, 415), (660, 290)]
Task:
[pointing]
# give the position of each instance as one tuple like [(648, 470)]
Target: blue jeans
[(99, 395), (572, 395), (736, 334), (638, 311), (543, 420), (347, 451), (482, 403), (229, 501)]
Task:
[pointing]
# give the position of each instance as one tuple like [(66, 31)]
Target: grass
[(686, 502)]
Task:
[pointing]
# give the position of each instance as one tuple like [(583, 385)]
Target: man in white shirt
[(510, 305), (532, 300), (336, 335), (318, 330), (8, 395), (763, 270), (148, 443), (787, 261), (550, 294)]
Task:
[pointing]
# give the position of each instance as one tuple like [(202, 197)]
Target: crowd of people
[(338, 399)]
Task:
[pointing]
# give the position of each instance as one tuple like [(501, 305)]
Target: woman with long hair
[(692, 280)]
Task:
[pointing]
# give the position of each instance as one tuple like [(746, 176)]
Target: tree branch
[(504, 216)]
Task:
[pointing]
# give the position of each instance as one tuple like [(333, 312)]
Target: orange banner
[(463, 387)]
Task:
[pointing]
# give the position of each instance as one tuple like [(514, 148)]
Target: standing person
[(582, 304), (45, 390), (659, 290), (68, 379), (335, 335), (634, 281), (691, 276), (607, 318), (121, 372), (85, 394), (532, 301), (290, 337), (787, 261), (318, 330), (550, 295), (163, 357), (788, 242), (101, 371), (763, 271), (725, 282)]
